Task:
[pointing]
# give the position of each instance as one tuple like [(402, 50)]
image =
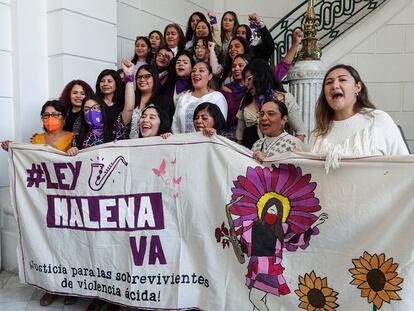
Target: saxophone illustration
[(232, 235), (98, 177)]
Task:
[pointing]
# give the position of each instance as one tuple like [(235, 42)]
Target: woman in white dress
[(201, 92), (348, 124)]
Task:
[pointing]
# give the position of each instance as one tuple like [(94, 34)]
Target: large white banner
[(194, 222)]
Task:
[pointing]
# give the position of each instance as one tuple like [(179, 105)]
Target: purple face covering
[(94, 119)]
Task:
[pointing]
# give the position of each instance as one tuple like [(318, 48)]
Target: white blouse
[(367, 133), (187, 103)]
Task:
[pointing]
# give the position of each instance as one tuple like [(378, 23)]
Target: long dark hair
[(118, 98), (181, 40), (134, 60), (65, 96), (248, 31), (162, 43), (189, 33), (264, 81), (209, 36), (228, 61), (165, 121), (156, 84), (236, 24), (84, 128), (324, 113), (215, 112), (276, 228)]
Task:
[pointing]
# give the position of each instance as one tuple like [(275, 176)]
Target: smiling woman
[(174, 37), (154, 122), (201, 92), (273, 117), (147, 92), (347, 123), (72, 96)]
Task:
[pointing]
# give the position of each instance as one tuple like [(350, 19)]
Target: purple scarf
[(182, 84), (237, 90)]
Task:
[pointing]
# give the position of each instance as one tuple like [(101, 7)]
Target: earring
[(356, 94)]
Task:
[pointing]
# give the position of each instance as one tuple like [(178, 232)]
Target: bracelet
[(128, 78)]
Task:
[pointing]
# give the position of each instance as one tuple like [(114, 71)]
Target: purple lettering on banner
[(155, 250), (49, 183), (134, 212), (138, 255), (75, 171), (59, 167)]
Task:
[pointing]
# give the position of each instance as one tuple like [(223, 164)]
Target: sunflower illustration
[(376, 278), (315, 294)]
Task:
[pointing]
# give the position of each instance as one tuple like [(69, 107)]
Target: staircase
[(334, 18)]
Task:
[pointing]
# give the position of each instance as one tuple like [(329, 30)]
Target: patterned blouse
[(277, 145)]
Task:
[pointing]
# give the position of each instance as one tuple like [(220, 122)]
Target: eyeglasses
[(95, 107), (200, 47), (53, 115), (247, 79), (269, 114), (144, 77), (165, 56)]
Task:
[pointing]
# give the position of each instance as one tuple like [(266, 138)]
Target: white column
[(82, 41), (27, 81), (305, 80), (45, 44)]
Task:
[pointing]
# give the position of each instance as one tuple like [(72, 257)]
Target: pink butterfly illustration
[(174, 161), (160, 171), (176, 181)]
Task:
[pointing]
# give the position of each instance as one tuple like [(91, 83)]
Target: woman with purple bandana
[(96, 127)]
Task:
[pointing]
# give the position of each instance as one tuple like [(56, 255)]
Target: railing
[(334, 17)]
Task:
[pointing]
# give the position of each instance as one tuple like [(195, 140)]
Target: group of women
[(216, 80)]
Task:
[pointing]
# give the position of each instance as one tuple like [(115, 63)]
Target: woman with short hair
[(273, 118)]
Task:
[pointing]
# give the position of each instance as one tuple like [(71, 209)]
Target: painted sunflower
[(315, 294), (376, 278)]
